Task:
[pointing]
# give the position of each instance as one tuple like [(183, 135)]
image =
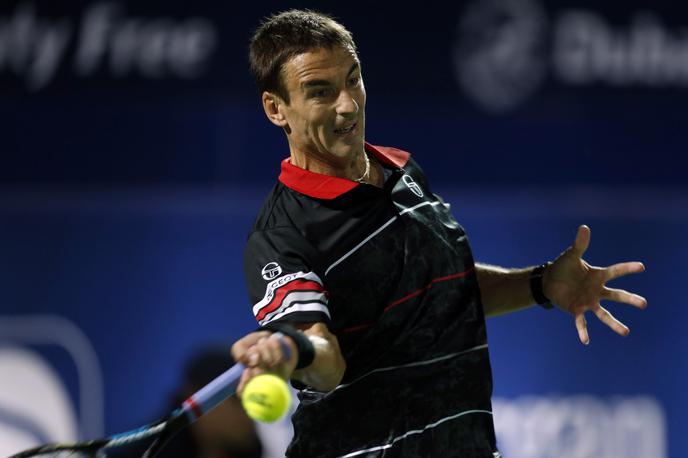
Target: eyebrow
[(318, 83)]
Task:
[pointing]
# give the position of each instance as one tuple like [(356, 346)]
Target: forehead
[(321, 63)]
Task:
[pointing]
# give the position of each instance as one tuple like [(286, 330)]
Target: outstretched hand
[(576, 287)]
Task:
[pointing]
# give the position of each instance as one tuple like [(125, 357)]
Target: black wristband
[(304, 347), (536, 288)]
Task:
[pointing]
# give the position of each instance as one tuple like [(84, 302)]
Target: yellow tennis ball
[(266, 397)]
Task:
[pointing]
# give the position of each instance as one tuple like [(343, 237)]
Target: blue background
[(125, 203)]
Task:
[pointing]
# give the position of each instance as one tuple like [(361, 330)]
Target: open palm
[(576, 287)]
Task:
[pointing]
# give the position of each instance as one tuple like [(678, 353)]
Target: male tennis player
[(369, 276)]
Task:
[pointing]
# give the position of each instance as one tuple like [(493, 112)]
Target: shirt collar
[(322, 186)]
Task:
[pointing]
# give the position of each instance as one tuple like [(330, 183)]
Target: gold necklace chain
[(367, 169)]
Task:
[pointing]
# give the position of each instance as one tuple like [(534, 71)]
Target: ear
[(274, 109)]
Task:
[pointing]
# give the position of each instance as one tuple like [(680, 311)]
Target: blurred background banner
[(134, 156)]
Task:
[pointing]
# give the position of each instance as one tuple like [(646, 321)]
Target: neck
[(350, 169)]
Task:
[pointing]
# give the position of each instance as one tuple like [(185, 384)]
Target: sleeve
[(278, 265)]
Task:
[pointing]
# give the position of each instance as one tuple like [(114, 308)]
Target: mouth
[(346, 130)]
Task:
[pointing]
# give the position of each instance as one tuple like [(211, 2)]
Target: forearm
[(328, 366), (504, 290), (263, 351)]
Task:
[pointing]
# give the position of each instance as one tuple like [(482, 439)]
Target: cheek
[(320, 123), (362, 97), (311, 128)]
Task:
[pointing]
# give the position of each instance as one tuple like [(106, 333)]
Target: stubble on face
[(326, 112)]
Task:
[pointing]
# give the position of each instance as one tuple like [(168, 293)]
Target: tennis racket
[(196, 405), (199, 403)]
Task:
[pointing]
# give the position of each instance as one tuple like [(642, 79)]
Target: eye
[(353, 81), (320, 93)]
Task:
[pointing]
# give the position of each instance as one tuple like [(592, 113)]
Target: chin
[(347, 149)]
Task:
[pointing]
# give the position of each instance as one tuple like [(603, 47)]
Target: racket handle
[(208, 397), (222, 387)]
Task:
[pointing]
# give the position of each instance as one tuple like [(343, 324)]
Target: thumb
[(580, 245)]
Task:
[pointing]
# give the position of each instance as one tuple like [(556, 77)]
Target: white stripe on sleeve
[(297, 296), (312, 307), (275, 284)]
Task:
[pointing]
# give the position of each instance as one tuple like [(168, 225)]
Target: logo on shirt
[(412, 185), (271, 270)]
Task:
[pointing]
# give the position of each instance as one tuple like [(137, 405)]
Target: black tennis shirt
[(391, 273)]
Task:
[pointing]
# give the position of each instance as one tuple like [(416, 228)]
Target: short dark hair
[(288, 34)]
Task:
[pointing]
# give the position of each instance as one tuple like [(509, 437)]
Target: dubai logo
[(505, 49), (271, 270), (499, 56), (412, 185)]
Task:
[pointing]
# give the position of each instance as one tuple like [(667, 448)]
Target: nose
[(346, 105)]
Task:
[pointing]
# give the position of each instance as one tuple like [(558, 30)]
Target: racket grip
[(222, 387), (208, 397)]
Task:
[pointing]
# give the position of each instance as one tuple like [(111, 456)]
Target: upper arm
[(281, 278), (279, 265)]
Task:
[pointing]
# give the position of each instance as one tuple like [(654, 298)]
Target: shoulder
[(267, 213), (281, 208)]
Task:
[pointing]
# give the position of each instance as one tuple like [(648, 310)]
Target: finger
[(608, 319), (620, 295), (242, 356), (256, 354), (272, 352), (265, 356), (580, 245), (582, 327), (277, 342), (255, 371), (252, 357), (623, 268), (242, 345)]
